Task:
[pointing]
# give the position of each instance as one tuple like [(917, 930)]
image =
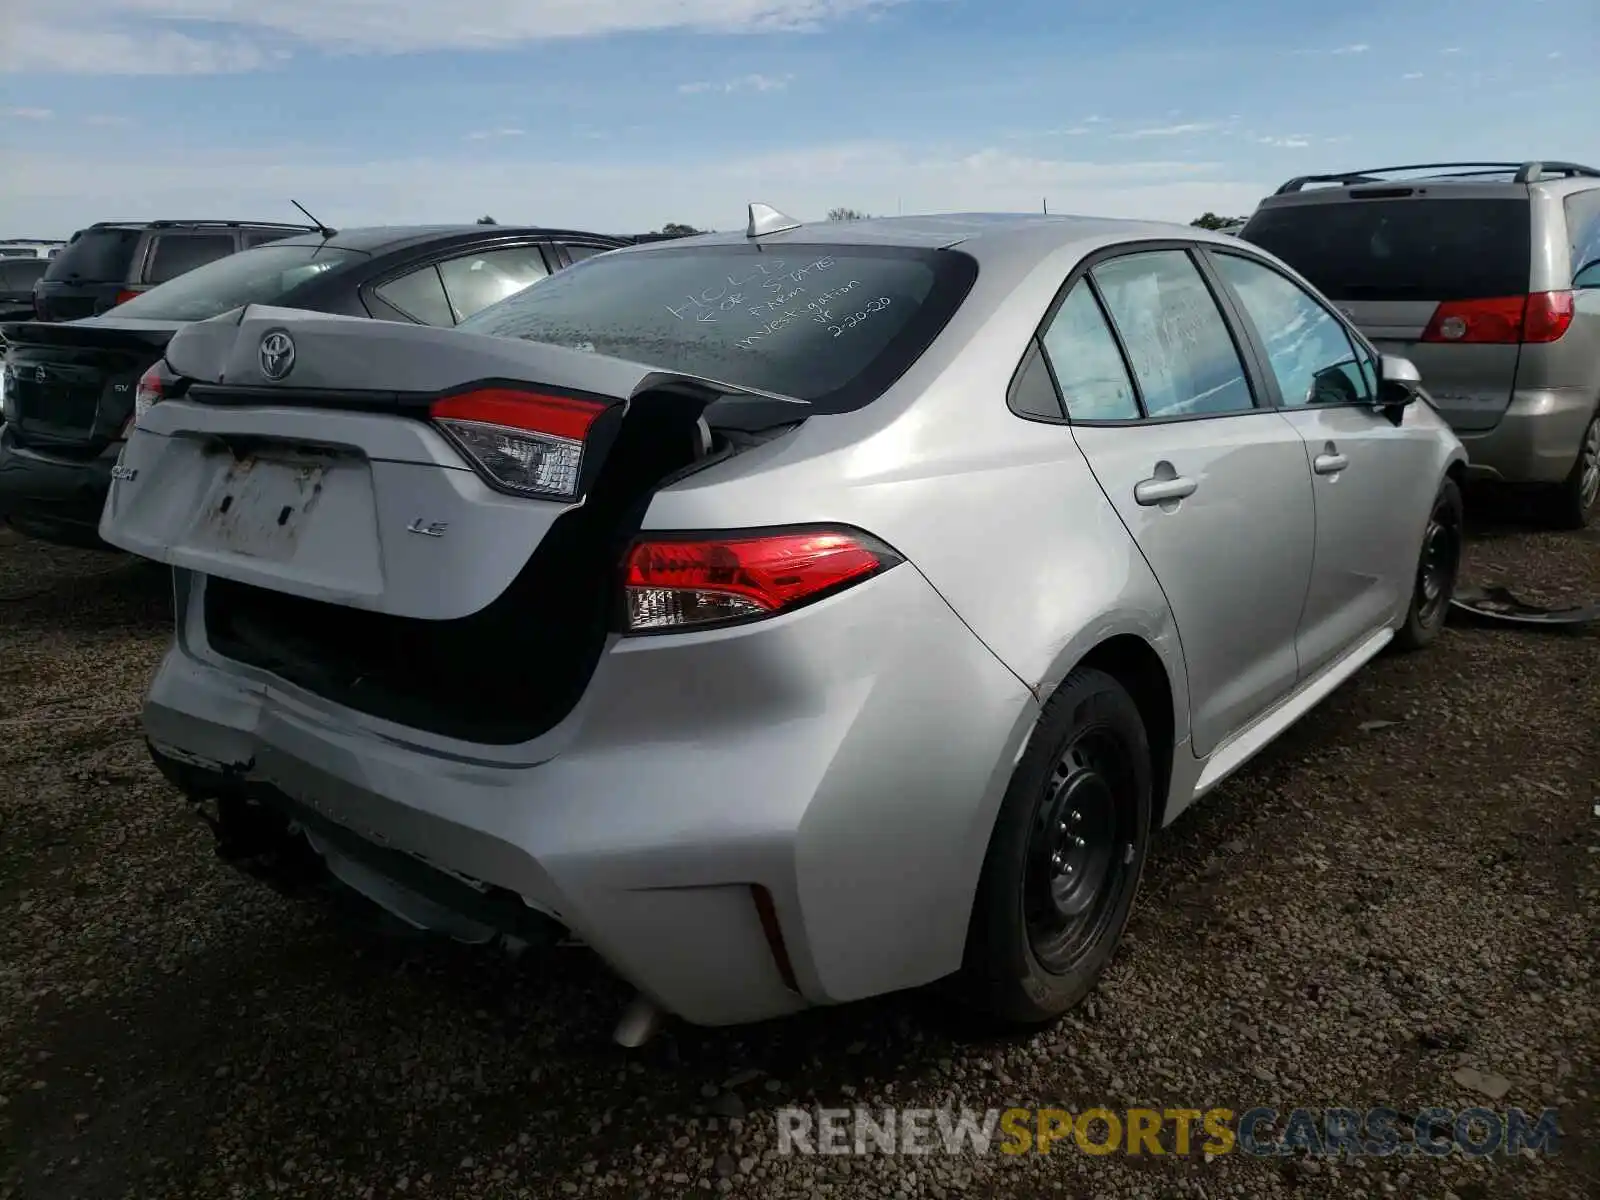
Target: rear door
[(1371, 479), (1213, 488), (1390, 256)]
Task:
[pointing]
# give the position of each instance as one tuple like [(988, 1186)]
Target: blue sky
[(623, 114)]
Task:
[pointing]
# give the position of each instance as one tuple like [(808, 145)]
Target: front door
[(1371, 478), (1214, 489)]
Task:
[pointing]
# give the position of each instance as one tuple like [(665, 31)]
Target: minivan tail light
[(684, 581), (525, 442), (1502, 320)]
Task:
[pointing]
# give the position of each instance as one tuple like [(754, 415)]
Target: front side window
[(1088, 366), (1310, 353), (178, 253), (1182, 354), (475, 281)]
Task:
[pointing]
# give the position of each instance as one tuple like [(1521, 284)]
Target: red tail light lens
[(693, 582), (147, 393), (123, 297), (1502, 320), (1548, 318), (524, 442)]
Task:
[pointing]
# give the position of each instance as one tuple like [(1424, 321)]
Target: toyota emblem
[(277, 355)]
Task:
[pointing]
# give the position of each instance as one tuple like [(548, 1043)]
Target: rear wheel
[(1577, 499), (1438, 566), (1065, 857)]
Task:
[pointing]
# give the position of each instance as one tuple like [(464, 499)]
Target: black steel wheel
[(1438, 568), (1065, 857)]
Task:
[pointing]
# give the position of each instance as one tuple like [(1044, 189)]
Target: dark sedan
[(69, 391), (17, 277)]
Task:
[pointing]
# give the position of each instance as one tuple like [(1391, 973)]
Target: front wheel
[(1065, 858), (1438, 566)]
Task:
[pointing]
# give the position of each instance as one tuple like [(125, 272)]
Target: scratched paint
[(260, 506)]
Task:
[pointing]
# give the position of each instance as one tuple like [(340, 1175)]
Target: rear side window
[(95, 256), (420, 295), (263, 237), (1182, 354), (831, 324), (1089, 368), (1403, 249), (260, 276), (1583, 229), (1310, 354), (475, 281), (578, 253), (177, 253)]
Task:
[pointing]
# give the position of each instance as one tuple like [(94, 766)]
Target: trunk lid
[(332, 483), (1389, 256), (72, 386)]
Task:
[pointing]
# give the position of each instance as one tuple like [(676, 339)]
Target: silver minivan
[(1487, 277)]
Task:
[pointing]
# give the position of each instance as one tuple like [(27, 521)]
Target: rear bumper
[(1536, 440), (54, 499), (847, 758)]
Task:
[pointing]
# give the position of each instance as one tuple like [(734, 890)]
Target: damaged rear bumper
[(742, 823)]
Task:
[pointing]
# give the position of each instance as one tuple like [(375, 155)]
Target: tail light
[(524, 442), (124, 296), (695, 581), (148, 391), (1502, 320)]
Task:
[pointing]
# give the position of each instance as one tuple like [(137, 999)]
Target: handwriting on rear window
[(838, 325), (765, 288)]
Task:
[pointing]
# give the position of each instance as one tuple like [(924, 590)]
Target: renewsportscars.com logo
[(1256, 1132)]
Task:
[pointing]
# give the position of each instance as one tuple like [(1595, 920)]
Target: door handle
[(1157, 491), (1329, 464)]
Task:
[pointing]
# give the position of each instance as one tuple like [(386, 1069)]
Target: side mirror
[(1399, 384), (1588, 276)]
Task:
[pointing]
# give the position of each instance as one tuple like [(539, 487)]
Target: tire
[(1575, 501), (1438, 568), (1086, 769)]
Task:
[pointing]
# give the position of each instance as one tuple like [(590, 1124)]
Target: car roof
[(983, 235), (384, 239), (1446, 179)]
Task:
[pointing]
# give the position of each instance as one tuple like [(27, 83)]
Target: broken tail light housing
[(696, 581), (148, 391), (520, 441), (1502, 320)]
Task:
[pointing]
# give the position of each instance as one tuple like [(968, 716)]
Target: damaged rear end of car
[(428, 644)]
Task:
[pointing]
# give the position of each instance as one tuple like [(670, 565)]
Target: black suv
[(70, 391), (113, 261)]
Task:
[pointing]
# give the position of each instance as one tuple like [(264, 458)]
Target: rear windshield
[(20, 274), (95, 256), (1402, 249), (260, 276), (834, 325)]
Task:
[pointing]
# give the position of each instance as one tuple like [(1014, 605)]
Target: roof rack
[(1524, 172), (168, 224)]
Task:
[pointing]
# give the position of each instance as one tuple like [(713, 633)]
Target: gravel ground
[(1404, 891)]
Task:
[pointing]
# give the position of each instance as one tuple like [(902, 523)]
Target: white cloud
[(1412, 75), (136, 37), (484, 134), (46, 191), (1170, 130), (26, 114), (1451, 50), (1293, 141), (745, 83), (1357, 48)]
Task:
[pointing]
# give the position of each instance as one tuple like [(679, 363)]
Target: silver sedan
[(792, 615)]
